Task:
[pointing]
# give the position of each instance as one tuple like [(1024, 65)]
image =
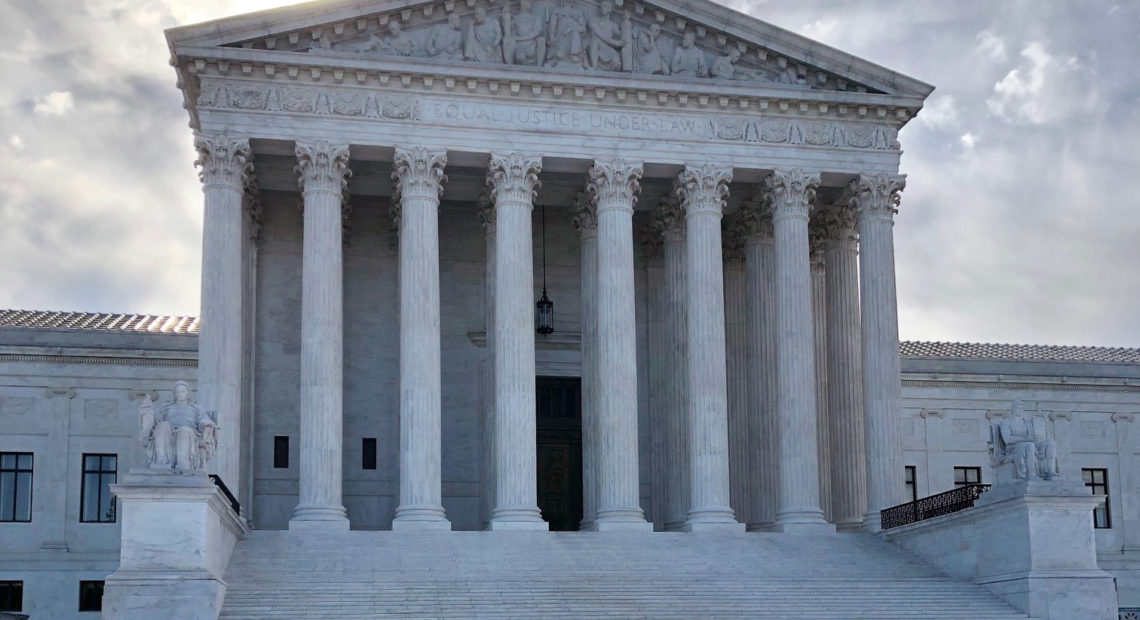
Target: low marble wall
[(1029, 542)]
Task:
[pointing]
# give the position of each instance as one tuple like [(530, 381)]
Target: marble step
[(588, 575)]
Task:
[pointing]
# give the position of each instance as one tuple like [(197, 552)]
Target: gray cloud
[(1019, 222)]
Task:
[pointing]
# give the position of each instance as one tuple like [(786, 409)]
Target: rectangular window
[(281, 452), (11, 595), (1097, 482), (911, 485), (15, 487), (368, 453), (90, 596), (100, 471), (967, 475)]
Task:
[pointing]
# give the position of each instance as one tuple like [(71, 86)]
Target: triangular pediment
[(694, 40)]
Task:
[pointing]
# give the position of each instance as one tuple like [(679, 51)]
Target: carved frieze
[(570, 35), (366, 104)]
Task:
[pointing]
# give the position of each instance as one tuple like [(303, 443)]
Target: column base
[(675, 525), (806, 528), (518, 519), (803, 521), (421, 517), (622, 525), (712, 520), (519, 526), (872, 522), (850, 526), (325, 517)]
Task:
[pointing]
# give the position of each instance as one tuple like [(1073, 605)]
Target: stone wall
[(64, 393)]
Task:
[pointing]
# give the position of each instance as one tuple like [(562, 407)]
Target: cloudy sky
[(1020, 222)]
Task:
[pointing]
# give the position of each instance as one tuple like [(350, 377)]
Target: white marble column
[(819, 360), (418, 173), (877, 199), (225, 168), (791, 193), (613, 186), (586, 222), (702, 190), (844, 371), (764, 423), (736, 357), (513, 179), (670, 222), (486, 215), (323, 168)]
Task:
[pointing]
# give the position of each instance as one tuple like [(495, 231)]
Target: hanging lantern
[(544, 309), (544, 314)]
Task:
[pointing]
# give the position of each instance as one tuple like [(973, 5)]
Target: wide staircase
[(350, 575)]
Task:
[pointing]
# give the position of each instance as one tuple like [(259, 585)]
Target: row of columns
[(780, 348), (808, 423)]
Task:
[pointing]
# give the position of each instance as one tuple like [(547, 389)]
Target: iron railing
[(933, 506), (226, 491)]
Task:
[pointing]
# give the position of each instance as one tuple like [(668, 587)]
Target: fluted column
[(791, 194), (418, 173), (877, 197), (844, 370), (586, 222), (323, 169), (487, 219), (736, 356), (819, 360), (225, 168), (764, 422), (513, 179), (613, 186), (702, 190), (670, 222)]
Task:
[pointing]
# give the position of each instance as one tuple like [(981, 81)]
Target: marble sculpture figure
[(688, 60), (1016, 440), (567, 35), (179, 436)]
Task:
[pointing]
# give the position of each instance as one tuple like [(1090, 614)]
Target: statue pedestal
[(1030, 542), (177, 535)]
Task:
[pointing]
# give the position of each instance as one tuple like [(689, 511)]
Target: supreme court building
[(372, 255), (563, 265)]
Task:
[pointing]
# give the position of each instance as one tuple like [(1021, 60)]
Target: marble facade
[(719, 195), (721, 114)]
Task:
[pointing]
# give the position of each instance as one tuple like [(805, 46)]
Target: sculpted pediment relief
[(611, 36)]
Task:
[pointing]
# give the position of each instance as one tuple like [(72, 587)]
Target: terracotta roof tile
[(102, 321), (167, 324)]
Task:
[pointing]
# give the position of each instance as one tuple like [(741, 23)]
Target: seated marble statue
[(1015, 440), (178, 436)]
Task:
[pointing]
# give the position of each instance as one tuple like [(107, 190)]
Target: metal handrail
[(932, 506), (226, 491)]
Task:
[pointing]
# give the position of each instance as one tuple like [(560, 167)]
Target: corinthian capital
[(513, 177), (585, 215), (756, 215), (419, 171), (877, 195), (791, 192), (837, 221), (817, 234), (614, 184), (322, 166), (670, 218), (223, 160), (702, 189), (732, 236), (485, 211)]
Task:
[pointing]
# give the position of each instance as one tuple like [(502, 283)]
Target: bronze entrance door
[(559, 418)]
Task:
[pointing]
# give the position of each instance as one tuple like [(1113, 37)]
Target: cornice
[(514, 83)]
